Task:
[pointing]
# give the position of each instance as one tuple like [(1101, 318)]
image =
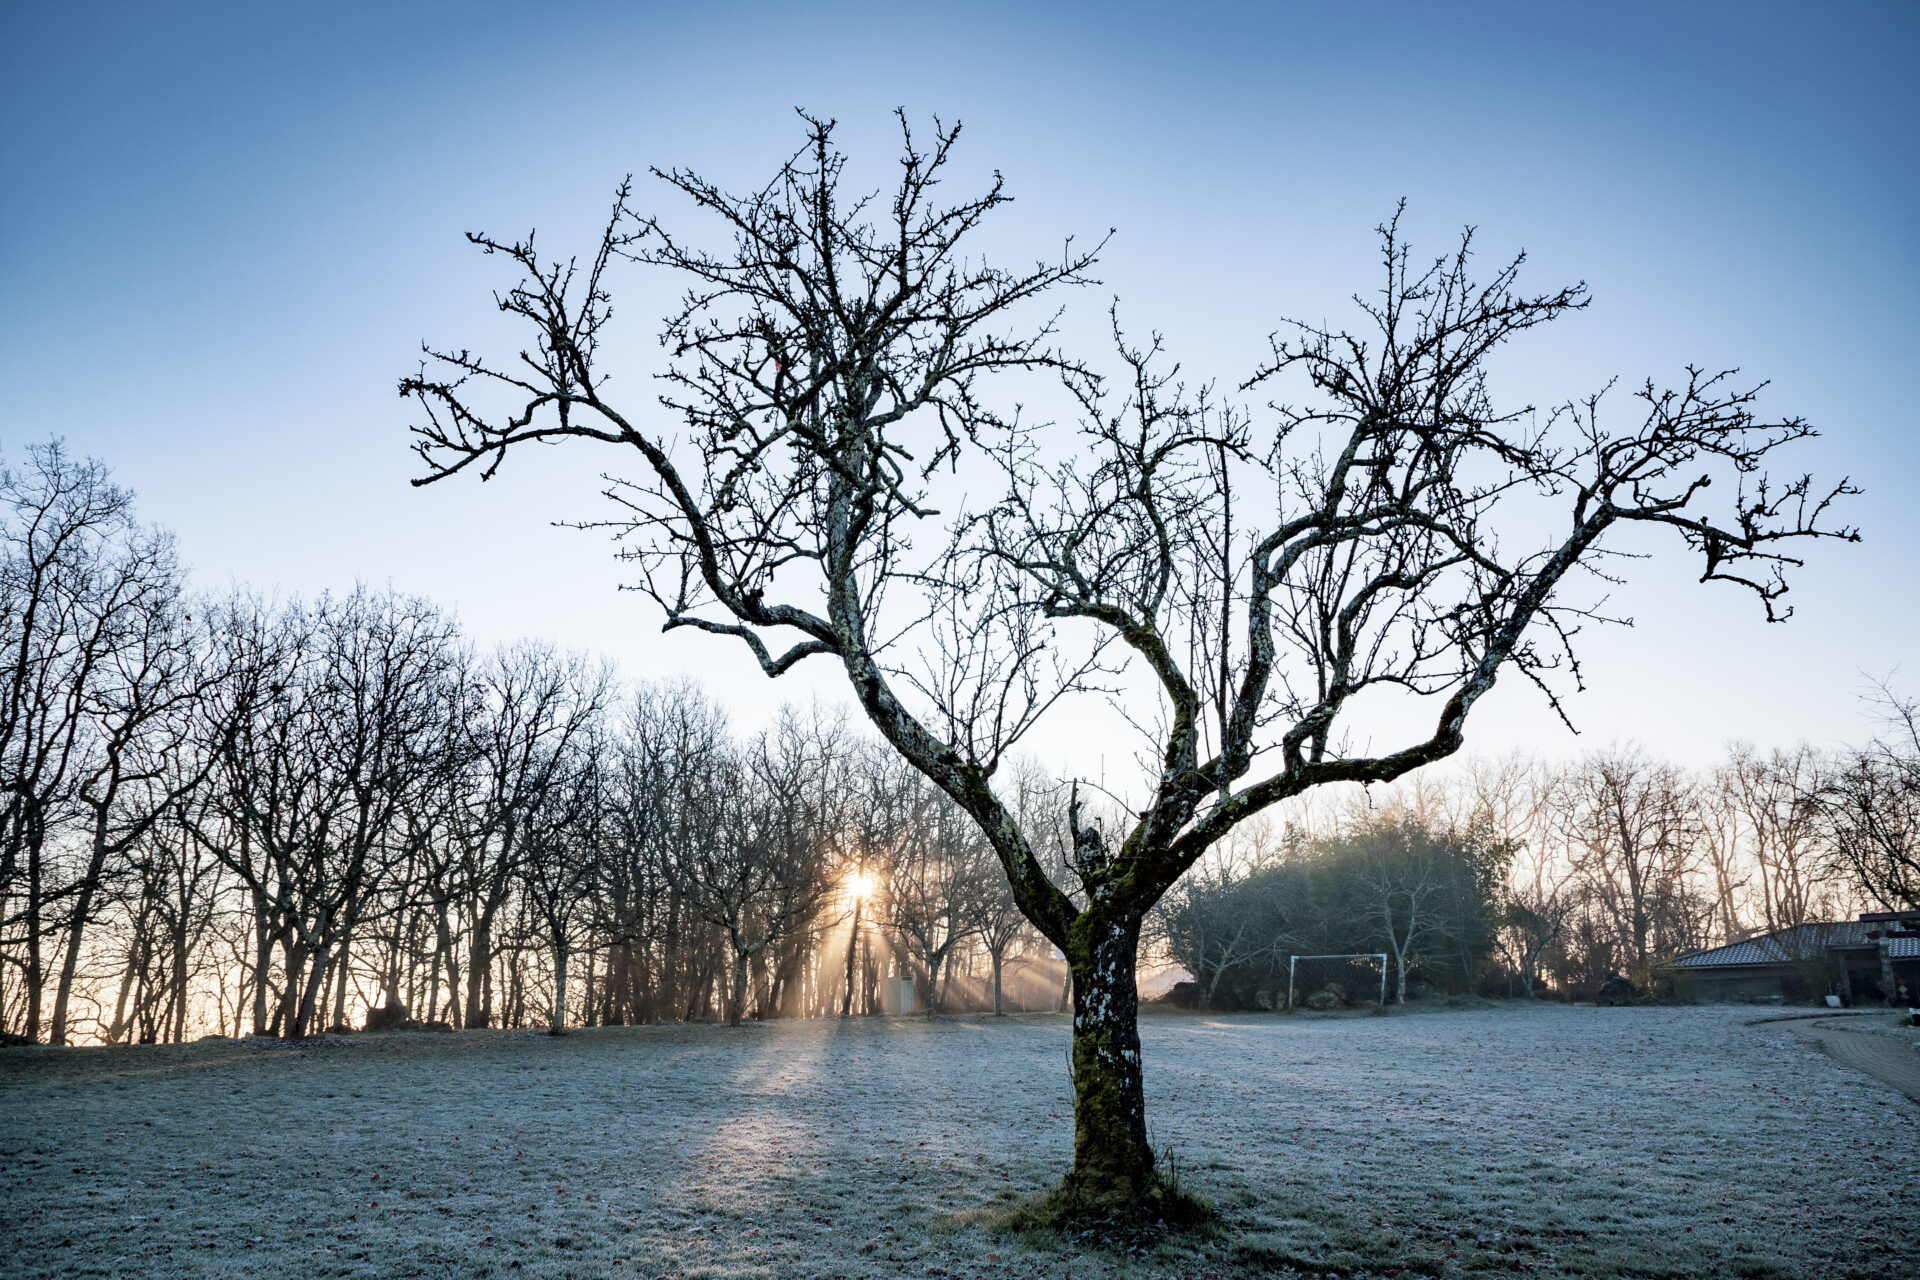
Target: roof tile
[(1801, 942)]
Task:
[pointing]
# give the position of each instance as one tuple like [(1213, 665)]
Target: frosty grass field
[(1535, 1140)]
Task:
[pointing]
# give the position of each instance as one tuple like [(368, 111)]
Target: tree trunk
[(1112, 1162), (479, 972), (294, 962), (76, 932), (998, 1012), (558, 1024), (1399, 974), (263, 965), (853, 940), (392, 985), (514, 978), (119, 1024), (778, 985), (36, 971), (312, 997), (1213, 985), (735, 1009), (587, 1006), (443, 955), (340, 984), (621, 1005), (180, 976)]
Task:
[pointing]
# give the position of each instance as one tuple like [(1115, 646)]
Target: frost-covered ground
[(1535, 1140)]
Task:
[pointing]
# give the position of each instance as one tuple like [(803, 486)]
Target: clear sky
[(225, 230)]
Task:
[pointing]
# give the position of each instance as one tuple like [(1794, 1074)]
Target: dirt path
[(1892, 1060)]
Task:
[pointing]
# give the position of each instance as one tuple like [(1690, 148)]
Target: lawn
[(1487, 1141)]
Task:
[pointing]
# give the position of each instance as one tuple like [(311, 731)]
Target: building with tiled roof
[(1856, 961)]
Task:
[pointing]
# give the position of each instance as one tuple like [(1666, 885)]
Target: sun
[(859, 884)]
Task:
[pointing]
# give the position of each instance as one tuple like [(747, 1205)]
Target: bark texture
[(1113, 1165)]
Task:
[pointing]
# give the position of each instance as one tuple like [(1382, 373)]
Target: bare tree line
[(1525, 876), (241, 816)]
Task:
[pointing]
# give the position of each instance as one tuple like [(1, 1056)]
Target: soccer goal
[(1293, 963)]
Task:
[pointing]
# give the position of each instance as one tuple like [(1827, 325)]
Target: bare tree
[(1794, 878), (870, 833), (1517, 797), (935, 882), (1868, 808), (1638, 845), (671, 740), (1404, 882), (348, 697), (141, 766), (534, 702), (174, 909), (1217, 920), (825, 367), (1532, 923), (96, 670), (559, 824), (1723, 840), (753, 863)]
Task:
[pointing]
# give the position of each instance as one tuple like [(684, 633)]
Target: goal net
[(1334, 981)]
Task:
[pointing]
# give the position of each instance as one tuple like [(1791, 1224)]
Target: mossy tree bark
[(1113, 1164)]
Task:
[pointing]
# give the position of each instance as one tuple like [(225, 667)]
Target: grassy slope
[(1544, 1140)]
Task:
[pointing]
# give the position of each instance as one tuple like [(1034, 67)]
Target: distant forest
[(1523, 877), (237, 815)]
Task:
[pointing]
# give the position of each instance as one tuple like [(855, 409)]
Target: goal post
[(1381, 956)]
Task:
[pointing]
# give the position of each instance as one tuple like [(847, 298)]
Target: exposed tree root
[(1121, 1222)]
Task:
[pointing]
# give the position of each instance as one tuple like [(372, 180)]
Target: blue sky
[(225, 230)]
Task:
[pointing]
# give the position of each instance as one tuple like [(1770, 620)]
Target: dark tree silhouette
[(825, 366), (92, 684), (1868, 807)]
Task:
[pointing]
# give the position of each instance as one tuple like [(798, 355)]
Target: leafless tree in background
[(940, 871), (1868, 807), (871, 835), (93, 681), (593, 929), (348, 697), (673, 739), (1794, 882), (1718, 828), (1636, 829), (563, 798), (1532, 923), (1002, 929), (1227, 914), (753, 863), (1403, 883), (534, 703)]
